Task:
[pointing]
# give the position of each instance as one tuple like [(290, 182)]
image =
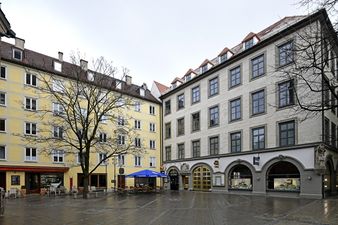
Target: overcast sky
[(154, 39)]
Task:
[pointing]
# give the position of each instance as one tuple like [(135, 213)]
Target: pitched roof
[(189, 72), (177, 79), (249, 36), (161, 87), (205, 62), (225, 50), (45, 63)]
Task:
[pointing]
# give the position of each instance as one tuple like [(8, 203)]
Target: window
[(213, 116), (121, 139), (236, 142), (285, 53), (195, 117), (235, 76), (285, 93), (258, 138), (2, 125), (17, 54), (257, 66), (333, 134), (30, 128), (168, 153), (235, 109), (104, 118), (15, 180), (57, 132), (287, 133), (167, 107), (195, 95), (180, 101), (180, 151), (2, 152), (30, 154), (213, 145), (196, 148), (167, 130), (102, 157), (204, 68), (90, 76), (137, 106), (224, 57), (152, 161), (188, 77), (58, 109), (3, 72), (152, 144), (180, 127), (152, 127), (121, 160), (103, 137), (152, 110), (142, 92), (58, 156), (138, 142), (120, 121), (57, 66), (213, 86), (2, 98), (137, 124), (30, 104), (57, 86), (137, 161), (327, 131), (31, 79), (258, 102), (249, 43)]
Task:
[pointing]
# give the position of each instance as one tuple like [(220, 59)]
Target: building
[(230, 125), (25, 166), (5, 26)]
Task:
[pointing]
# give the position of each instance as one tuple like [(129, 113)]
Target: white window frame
[(137, 161), (137, 106), (31, 103), (137, 124), (120, 121), (5, 98), (57, 66), (152, 127), (30, 124), (152, 161), (58, 109), (104, 119), (103, 137), (152, 110), (30, 157), (121, 160), (138, 143), (57, 86), (59, 154), (121, 139), (58, 130), (100, 156), (5, 149), (152, 144), (30, 75), (17, 50)]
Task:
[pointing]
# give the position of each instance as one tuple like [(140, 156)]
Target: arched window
[(283, 176), (240, 178)]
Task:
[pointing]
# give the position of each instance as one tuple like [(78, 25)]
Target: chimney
[(60, 56), (20, 43), (84, 64), (144, 86), (128, 80)]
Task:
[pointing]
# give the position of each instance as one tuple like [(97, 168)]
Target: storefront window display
[(240, 178), (283, 176)]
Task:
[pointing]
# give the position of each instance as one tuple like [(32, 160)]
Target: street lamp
[(114, 163)]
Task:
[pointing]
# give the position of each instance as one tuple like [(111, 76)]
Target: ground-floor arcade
[(300, 172)]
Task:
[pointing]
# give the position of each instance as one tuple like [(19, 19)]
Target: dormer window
[(249, 43), (142, 92), (57, 66), (174, 85), (204, 68), (17, 54), (188, 77), (90, 76), (118, 84), (223, 57)]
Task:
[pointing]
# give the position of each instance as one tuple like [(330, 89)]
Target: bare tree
[(84, 104)]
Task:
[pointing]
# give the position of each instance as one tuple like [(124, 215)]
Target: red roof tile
[(161, 87)]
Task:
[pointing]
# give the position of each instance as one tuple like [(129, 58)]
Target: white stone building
[(230, 125)]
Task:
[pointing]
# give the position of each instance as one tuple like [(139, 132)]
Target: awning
[(147, 173), (39, 169)]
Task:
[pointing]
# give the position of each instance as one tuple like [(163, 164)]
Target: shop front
[(240, 178)]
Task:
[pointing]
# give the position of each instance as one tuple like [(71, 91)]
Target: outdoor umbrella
[(146, 173)]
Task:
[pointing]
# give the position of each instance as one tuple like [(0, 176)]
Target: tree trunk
[(85, 186)]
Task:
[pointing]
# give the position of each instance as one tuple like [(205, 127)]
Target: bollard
[(2, 201)]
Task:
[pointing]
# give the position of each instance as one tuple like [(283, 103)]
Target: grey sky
[(154, 39)]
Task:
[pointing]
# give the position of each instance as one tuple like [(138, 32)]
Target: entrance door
[(32, 182), (3, 180), (185, 180), (121, 181), (202, 179), (174, 182)]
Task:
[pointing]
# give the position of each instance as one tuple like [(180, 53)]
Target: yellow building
[(24, 165)]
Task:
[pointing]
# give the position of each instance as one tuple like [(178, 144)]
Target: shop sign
[(256, 160), (216, 163), (121, 170)]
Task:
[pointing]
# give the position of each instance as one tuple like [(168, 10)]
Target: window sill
[(30, 161), (211, 96), (3, 78), (235, 86), (285, 107), (194, 103), (258, 114), (31, 110), (58, 162), (1, 105), (29, 85), (213, 126), (3, 132), (235, 120), (195, 131), (257, 77)]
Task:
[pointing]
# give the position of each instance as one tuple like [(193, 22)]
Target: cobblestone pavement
[(170, 208)]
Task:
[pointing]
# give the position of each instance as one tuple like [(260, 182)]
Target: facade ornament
[(185, 169), (320, 155)]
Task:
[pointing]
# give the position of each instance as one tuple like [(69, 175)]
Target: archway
[(240, 178), (283, 176), (201, 178), (174, 179)]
